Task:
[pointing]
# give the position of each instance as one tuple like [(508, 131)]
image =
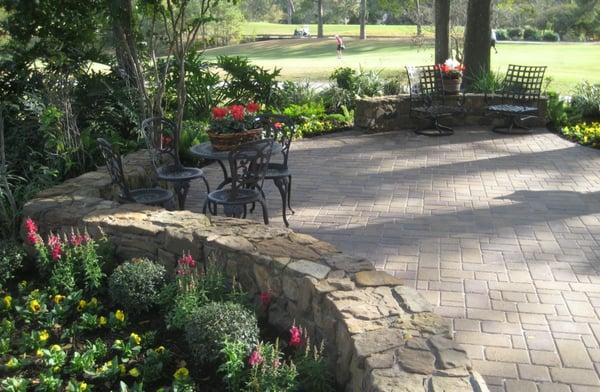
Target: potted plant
[(451, 72), (233, 125)]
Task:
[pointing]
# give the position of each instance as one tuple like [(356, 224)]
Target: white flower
[(452, 63)]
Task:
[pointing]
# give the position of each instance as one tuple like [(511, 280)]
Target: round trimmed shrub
[(531, 34), (551, 36), (11, 260), (515, 33), (209, 326), (501, 35), (136, 284)]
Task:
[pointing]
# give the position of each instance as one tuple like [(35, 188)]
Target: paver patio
[(501, 233)]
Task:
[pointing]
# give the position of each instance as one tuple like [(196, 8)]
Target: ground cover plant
[(66, 328)]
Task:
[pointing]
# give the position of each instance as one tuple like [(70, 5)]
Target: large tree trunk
[(363, 19), (320, 18), (290, 11), (442, 30), (418, 10), (477, 39)]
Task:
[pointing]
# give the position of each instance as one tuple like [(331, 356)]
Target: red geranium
[(233, 119), (253, 107), (238, 112), (218, 113)]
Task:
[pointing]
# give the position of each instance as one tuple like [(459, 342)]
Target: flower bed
[(83, 324)]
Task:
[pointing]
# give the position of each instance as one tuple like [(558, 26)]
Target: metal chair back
[(281, 129), (162, 139), (425, 85), (248, 165), (523, 85), (114, 165)]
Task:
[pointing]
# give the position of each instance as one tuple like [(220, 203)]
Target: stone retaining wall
[(391, 112), (379, 335)]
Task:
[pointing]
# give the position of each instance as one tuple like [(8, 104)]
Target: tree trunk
[(442, 30), (320, 18), (363, 19), (477, 39), (418, 9), (290, 11)]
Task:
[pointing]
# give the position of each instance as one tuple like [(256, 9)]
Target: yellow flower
[(160, 349), (39, 353), (12, 363), (56, 369), (7, 301), (93, 302), (181, 373), (35, 306), (122, 369), (81, 305), (55, 348), (119, 315), (44, 335), (82, 386), (134, 372), (22, 284), (136, 338), (102, 321), (58, 298)]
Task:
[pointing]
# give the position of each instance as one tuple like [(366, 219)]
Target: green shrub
[(307, 110), (586, 98), (502, 35), (11, 260), (369, 83), (561, 112), (486, 82), (531, 34), (209, 326), (335, 97), (392, 86), (515, 33), (136, 285), (293, 93), (271, 373), (192, 132), (313, 373), (344, 77), (550, 36)]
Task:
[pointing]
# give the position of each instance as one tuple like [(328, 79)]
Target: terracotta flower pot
[(451, 86), (228, 141)]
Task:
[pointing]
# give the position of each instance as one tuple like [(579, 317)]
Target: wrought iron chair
[(281, 129), (248, 166), (114, 165), (428, 100), (162, 140), (519, 98)]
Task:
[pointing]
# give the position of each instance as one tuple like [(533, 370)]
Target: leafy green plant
[(560, 111), (550, 36), (313, 373), (136, 284), (515, 33), (293, 93), (486, 82), (269, 372), (345, 78), (192, 133), (531, 34), (586, 98), (209, 326), (501, 35), (11, 260), (334, 98), (234, 362)]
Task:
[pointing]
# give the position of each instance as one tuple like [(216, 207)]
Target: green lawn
[(264, 28), (300, 59)]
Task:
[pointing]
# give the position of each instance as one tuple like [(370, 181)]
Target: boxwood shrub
[(136, 285)]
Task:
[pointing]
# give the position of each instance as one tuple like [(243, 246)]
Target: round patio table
[(206, 151)]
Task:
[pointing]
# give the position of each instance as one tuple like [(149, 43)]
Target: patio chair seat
[(173, 173), (276, 170), (151, 196), (438, 110), (512, 109), (242, 196)]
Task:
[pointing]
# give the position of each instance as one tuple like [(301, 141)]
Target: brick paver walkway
[(501, 233)]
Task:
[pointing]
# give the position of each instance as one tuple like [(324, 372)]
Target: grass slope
[(299, 59)]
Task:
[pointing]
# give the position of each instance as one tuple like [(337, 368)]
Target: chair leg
[(205, 206), (265, 212), (437, 130), (281, 184), (508, 128), (245, 212), (207, 185), (289, 194)]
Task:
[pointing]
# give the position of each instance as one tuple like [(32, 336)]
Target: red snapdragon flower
[(255, 358), (187, 260), (237, 112), (295, 337), (56, 251), (265, 298), (31, 226), (218, 113), (253, 107), (78, 239), (53, 240)]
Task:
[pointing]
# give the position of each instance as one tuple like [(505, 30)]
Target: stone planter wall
[(391, 112), (379, 335)]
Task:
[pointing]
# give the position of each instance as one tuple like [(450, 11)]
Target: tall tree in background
[(290, 10), (442, 30), (319, 18), (477, 38), (419, 17), (363, 19)]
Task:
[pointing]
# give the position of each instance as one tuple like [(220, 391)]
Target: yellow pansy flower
[(34, 306), (160, 349), (81, 305), (7, 301), (102, 321), (39, 353), (134, 372), (55, 347), (83, 386), (44, 335), (93, 302), (12, 363), (136, 338), (181, 373), (122, 369), (57, 299), (119, 315)]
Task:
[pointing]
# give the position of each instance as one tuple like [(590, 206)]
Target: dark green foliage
[(515, 33), (313, 371), (586, 99), (12, 255), (502, 35), (209, 326), (560, 112), (486, 82), (136, 284), (293, 93), (550, 36), (192, 133), (344, 77), (531, 34)]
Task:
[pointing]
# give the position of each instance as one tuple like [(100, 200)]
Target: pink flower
[(31, 226), (255, 358), (295, 336), (253, 107), (187, 261), (32, 238), (56, 251), (78, 239), (265, 298), (53, 240), (278, 125)]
